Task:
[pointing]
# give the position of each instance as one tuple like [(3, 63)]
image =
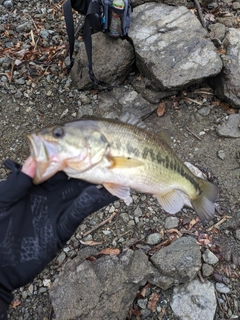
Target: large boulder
[(177, 263), (172, 48), (112, 61), (100, 289), (227, 83)]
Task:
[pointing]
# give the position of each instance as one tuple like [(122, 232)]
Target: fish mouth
[(39, 152), (37, 147)]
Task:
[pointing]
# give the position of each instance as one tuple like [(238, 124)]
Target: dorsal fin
[(132, 119)]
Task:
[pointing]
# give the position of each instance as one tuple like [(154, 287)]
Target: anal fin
[(172, 202)]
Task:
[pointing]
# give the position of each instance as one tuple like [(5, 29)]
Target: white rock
[(194, 300)]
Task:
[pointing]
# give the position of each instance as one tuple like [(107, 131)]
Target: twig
[(219, 222), (204, 92), (192, 100), (199, 10), (193, 134), (219, 303), (109, 219), (200, 276)]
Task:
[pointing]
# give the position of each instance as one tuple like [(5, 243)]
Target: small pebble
[(222, 288), (237, 234), (210, 257), (154, 238), (138, 212), (207, 270), (221, 154), (106, 232), (46, 282), (142, 303), (205, 111), (61, 257), (171, 222)]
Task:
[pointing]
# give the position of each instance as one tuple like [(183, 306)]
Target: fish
[(121, 154)]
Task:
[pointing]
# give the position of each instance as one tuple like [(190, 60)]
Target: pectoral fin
[(122, 192), (172, 202), (123, 162)]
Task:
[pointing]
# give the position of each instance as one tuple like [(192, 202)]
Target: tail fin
[(204, 205)]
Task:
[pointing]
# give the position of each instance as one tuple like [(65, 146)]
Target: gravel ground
[(36, 91)]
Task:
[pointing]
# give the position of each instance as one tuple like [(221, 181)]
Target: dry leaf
[(216, 103), (91, 258), (109, 251), (193, 222), (152, 302), (64, 113), (232, 111), (224, 105), (90, 243), (16, 303), (135, 312), (161, 109), (221, 51), (174, 231)]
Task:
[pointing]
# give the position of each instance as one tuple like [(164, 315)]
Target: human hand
[(29, 167), (37, 220)]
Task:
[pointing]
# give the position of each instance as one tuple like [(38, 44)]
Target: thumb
[(29, 167)]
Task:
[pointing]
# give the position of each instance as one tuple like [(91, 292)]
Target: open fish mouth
[(37, 147)]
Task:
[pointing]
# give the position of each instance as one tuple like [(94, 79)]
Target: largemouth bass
[(121, 155)]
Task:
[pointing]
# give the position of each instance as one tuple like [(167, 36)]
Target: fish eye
[(58, 132)]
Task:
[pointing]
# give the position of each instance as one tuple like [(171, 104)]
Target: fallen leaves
[(161, 109), (152, 302), (15, 303), (90, 243), (109, 251)]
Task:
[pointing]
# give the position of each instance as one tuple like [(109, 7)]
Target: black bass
[(121, 155)]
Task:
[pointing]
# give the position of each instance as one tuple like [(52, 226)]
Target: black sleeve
[(3, 310), (14, 188)]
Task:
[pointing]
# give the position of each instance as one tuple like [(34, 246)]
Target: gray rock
[(237, 234), (123, 100), (161, 33), (217, 31), (230, 129), (210, 257), (20, 81), (236, 5), (141, 86), (222, 288), (171, 222), (112, 60), (138, 212), (207, 270), (8, 4), (160, 280), (221, 154), (154, 238), (25, 27), (142, 303), (205, 111), (227, 83), (180, 262), (44, 34), (100, 289), (194, 300)]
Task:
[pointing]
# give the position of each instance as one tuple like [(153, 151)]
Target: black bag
[(99, 17)]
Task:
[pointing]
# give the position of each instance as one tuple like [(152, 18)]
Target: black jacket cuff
[(3, 310)]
